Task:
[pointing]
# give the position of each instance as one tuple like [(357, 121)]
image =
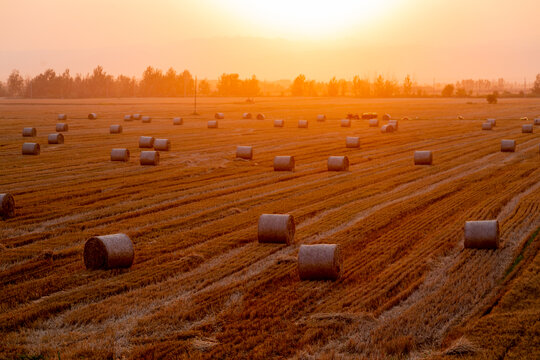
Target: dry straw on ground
[(7, 206), (508, 145), (247, 115), (261, 116), (244, 152), (212, 124), (345, 122), (319, 262), (373, 122), (387, 128), (338, 163), (62, 127), (284, 163), (527, 128), (302, 123), (30, 149), (162, 144), (108, 252), (279, 123), (482, 234), (219, 116), (146, 119), (486, 126), (149, 158), (29, 132), (92, 116), (178, 121), (62, 117), (276, 228), (321, 117), (423, 157), (115, 129), (146, 142), (352, 142), (120, 155), (55, 138)]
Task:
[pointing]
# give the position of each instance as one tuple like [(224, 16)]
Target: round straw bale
[(537, 121), (136, 116), (423, 157), (108, 252), (394, 123), (352, 142), (119, 155), (7, 206), (319, 262), (29, 132), (486, 126), (524, 118), (146, 119), (146, 142), (115, 129), (128, 117), (482, 234), (387, 128), (321, 117), (386, 117), (247, 115), (279, 123), (508, 145), (338, 163), (62, 117), (62, 127), (527, 128), (276, 228), (260, 116), (55, 138), (177, 121), (212, 124), (460, 117), (405, 118), (492, 121), (244, 152), (369, 115), (92, 116), (30, 149), (219, 116), (284, 163), (149, 158), (373, 123), (302, 123), (345, 123), (162, 144)]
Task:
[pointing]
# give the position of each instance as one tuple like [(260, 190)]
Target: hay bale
[(284, 163), (62, 127), (29, 132), (345, 123), (7, 206), (219, 116), (177, 121), (423, 157), (30, 149), (352, 142), (212, 124), (508, 145), (373, 123), (162, 144), (128, 117), (62, 117), (460, 117), (136, 116), (276, 228), (537, 121), (338, 163), (405, 118), (486, 126), (146, 142), (108, 252), (527, 128), (146, 119), (149, 158), (302, 124), (319, 262), (92, 116), (321, 117), (244, 152), (369, 115), (524, 118), (247, 115), (260, 116), (387, 128), (492, 121), (279, 123), (120, 155), (55, 138), (115, 129), (482, 234), (394, 123), (386, 117)]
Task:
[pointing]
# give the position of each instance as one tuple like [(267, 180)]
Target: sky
[(441, 40)]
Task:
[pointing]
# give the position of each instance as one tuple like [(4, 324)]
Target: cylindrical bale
[(146, 142), (405, 118), (284, 163), (136, 116), (212, 124), (338, 163), (115, 129), (279, 123), (149, 158), (373, 123), (128, 117), (492, 121), (508, 145), (387, 128), (92, 116), (369, 115), (55, 138), (486, 126), (29, 132), (482, 234), (108, 252), (345, 122), (386, 117), (146, 119), (62, 127), (423, 157), (177, 121), (394, 123), (537, 121), (352, 142), (120, 155), (261, 116), (30, 149), (276, 228), (7, 206), (527, 128), (219, 116), (524, 118), (302, 123), (460, 117), (319, 262), (321, 117), (162, 144), (247, 115), (62, 117), (244, 152)]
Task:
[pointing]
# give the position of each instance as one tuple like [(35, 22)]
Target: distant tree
[(379, 86), (492, 98), (390, 88), (204, 87), (461, 92), (2, 89), (361, 88), (312, 88), (333, 87), (298, 85), (407, 86), (536, 87), (250, 87), (448, 90), (15, 84), (343, 87)]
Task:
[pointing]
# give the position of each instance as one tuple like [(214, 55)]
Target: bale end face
[(319, 262), (423, 157), (508, 145), (108, 252), (284, 163), (338, 163), (276, 228), (482, 234), (7, 206)]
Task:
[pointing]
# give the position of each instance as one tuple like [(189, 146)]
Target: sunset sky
[(445, 40)]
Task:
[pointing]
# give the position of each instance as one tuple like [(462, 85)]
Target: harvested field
[(202, 286)]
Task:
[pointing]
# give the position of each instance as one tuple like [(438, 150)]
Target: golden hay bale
[(115, 129), (345, 122), (55, 138), (524, 118), (7, 206), (284, 163), (508, 145), (319, 262), (120, 155), (162, 144), (276, 228), (247, 115), (244, 152), (302, 123), (423, 157), (373, 123), (492, 121), (62, 127), (386, 117), (279, 123), (92, 116), (108, 252), (177, 121), (394, 123), (29, 132), (482, 234), (260, 116), (136, 116), (537, 121), (30, 149), (527, 128), (405, 118), (146, 142), (128, 117), (486, 126), (369, 115), (212, 124), (62, 117), (387, 128), (460, 117), (352, 142), (219, 116), (149, 158), (146, 119), (338, 163), (321, 117)]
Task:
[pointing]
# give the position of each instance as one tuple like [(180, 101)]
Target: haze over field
[(275, 40)]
